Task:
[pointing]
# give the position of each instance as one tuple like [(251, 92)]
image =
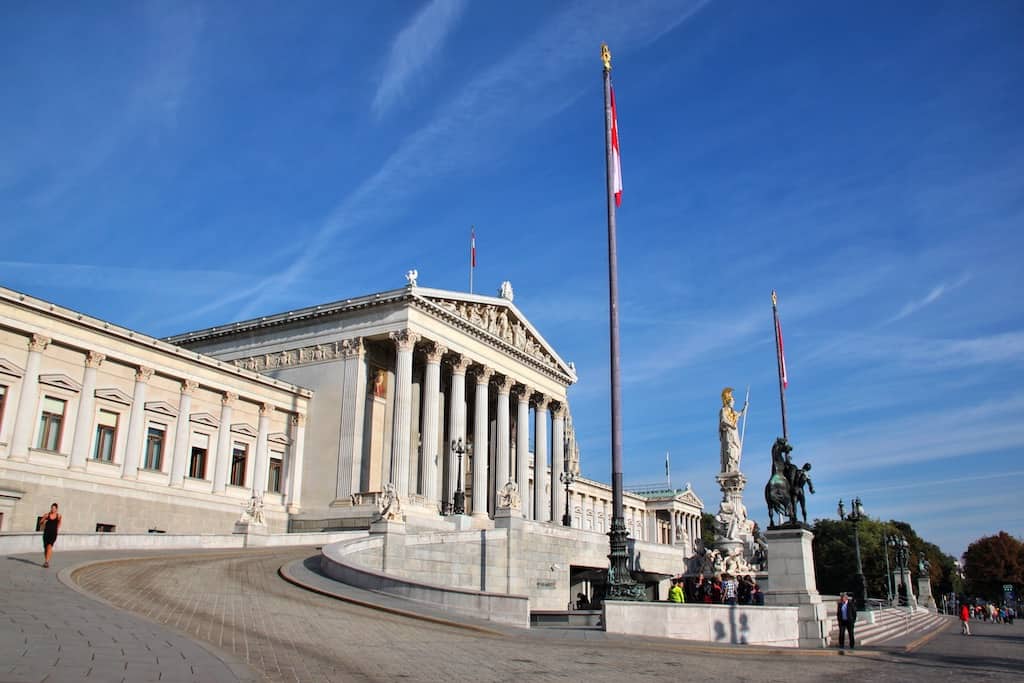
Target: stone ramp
[(894, 627)]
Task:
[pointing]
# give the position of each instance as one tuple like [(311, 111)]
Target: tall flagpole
[(472, 255), (620, 582), (778, 362)]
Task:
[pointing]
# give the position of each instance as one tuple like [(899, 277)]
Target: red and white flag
[(782, 353), (472, 247), (616, 161)]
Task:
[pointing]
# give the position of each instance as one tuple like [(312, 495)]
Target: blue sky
[(173, 165)]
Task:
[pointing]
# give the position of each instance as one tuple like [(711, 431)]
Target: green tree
[(707, 529), (992, 561)]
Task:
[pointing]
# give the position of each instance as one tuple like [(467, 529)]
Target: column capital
[(405, 339), (188, 387), (266, 410), (299, 420), (229, 398), (94, 358), (524, 391), (144, 374), (350, 348), (435, 351), (542, 402), (483, 374), (505, 385), (38, 342), (460, 363), (558, 411)]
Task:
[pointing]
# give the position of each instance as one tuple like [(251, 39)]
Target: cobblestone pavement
[(51, 632), (237, 602)]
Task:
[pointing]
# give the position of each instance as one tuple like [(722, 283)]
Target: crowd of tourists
[(723, 589)]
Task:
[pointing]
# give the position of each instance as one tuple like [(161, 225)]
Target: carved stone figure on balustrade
[(389, 506), (508, 496)]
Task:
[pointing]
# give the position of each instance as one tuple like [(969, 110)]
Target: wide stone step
[(893, 624)]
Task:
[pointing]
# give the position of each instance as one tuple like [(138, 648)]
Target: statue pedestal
[(903, 579), (925, 600), (791, 583), (255, 534), (393, 531)]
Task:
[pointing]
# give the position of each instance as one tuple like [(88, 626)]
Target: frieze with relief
[(497, 321), (306, 354)]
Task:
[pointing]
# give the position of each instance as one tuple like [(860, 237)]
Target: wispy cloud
[(934, 295), (414, 48), (466, 124)]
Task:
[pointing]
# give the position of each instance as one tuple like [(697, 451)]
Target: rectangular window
[(239, 454), (50, 423), (154, 447), (197, 460), (102, 528), (276, 470), (106, 436)]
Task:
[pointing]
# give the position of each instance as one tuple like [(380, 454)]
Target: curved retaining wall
[(30, 542), (346, 562), (720, 624)]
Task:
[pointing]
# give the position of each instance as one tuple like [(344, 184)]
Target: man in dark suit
[(846, 615)]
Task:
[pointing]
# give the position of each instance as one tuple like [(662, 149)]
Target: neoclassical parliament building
[(316, 411)]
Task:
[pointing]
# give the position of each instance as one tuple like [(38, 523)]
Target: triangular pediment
[(162, 407), (689, 497), (204, 419), (60, 381), (9, 368), (242, 428), (502, 322), (279, 438), (114, 395)]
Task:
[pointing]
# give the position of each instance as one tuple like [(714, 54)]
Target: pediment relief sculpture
[(497, 320)]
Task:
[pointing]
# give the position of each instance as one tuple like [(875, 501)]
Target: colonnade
[(507, 391)]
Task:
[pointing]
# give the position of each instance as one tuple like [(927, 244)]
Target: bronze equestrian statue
[(785, 488)]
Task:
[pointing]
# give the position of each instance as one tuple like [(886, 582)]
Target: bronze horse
[(777, 494)]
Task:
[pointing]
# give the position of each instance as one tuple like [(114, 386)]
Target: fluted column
[(504, 439), (86, 408), (295, 456), (24, 419), (540, 464), (259, 477), (136, 424), (456, 422), (405, 341), (558, 463), (431, 420), (353, 407), (523, 449), (222, 459), (179, 461), (483, 377)]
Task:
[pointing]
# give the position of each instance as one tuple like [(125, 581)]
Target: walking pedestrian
[(51, 524), (965, 620), (846, 615)]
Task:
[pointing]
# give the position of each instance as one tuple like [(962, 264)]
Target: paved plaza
[(226, 616)]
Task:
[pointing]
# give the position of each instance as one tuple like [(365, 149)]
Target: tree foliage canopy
[(835, 563), (992, 561)]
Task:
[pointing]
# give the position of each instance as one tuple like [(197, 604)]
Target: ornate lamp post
[(855, 515), (888, 572), (459, 502), (568, 479)]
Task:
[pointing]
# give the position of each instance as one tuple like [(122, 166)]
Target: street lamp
[(459, 502), (888, 572), (567, 478), (855, 515)]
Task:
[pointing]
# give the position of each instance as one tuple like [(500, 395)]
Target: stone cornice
[(123, 334)]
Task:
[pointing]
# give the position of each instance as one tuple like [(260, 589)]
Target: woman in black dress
[(50, 527)]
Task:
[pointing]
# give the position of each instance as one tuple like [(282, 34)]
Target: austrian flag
[(782, 355), (616, 161)]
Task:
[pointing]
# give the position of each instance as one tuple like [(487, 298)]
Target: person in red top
[(965, 619)]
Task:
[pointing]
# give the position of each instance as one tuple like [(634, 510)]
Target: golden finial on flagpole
[(775, 299), (606, 57)]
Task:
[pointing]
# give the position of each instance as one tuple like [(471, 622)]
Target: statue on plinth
[(785, 488), (252, 511), (508, 496), (389, 506), (728, 432)]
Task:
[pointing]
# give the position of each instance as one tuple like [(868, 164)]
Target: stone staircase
[(893, 625)]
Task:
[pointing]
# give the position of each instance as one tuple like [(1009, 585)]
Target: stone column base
[(925, 599)]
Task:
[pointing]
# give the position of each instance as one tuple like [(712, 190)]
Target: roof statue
[(505, 292), (411, 276)]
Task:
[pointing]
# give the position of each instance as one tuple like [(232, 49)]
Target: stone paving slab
[(51, 632)]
